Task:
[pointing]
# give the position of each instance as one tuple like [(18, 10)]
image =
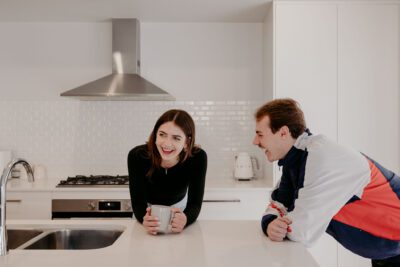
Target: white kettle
[(245, 166)]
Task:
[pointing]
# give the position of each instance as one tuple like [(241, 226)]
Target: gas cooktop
[(95, 181)]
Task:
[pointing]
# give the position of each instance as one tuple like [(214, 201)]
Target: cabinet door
[(368, 100), (306, 70), (28, 205), (306, 62), (223, 204), (347, 258), (324, 251), (369, 117)]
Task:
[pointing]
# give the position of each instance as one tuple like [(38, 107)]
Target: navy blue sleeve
[(265, 221), (283, 194)]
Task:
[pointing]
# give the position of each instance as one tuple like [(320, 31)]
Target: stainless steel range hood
[(124, 83)]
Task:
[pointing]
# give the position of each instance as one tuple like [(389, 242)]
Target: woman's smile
[(167, 151)]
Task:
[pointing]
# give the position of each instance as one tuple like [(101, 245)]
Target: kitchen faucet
[(3, 183)]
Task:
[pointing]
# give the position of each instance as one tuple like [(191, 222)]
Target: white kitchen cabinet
[(368, 92), (306, 62), (28, 205), (348, 259), (234, 204), (340, 60), (306, 70), (325, 251)]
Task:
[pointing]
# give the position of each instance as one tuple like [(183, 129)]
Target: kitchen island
[(205, 243)]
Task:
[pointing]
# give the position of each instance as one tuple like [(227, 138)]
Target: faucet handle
[(29, 170)]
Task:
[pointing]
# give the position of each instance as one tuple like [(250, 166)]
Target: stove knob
[(128, 206), (91, 205)]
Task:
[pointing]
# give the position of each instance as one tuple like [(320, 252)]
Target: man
[(327, 187)]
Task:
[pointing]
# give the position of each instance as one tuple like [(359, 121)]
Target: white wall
[(214, 71), (204, 61), (38, 61)]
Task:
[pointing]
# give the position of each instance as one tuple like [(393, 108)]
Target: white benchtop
[(203, 244)]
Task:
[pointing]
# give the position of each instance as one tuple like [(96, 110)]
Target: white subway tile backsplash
[(76, 137)]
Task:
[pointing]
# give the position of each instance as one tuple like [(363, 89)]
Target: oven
[(98, 207)]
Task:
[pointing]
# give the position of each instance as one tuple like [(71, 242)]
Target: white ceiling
[(144, 10)]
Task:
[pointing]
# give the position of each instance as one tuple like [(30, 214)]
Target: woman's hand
[(151, 223), (278, 228), (179, 220)]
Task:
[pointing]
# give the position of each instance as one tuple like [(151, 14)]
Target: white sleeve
[(333, 175)]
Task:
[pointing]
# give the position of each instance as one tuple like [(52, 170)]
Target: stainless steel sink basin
[(52, 237), (76, 239), (17, 237)]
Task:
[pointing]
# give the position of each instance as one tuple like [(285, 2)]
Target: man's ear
[(284, 131)]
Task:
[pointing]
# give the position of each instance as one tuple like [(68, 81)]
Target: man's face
[(273, 144)]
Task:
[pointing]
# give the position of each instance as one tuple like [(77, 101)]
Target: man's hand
[(178, 221), (278, 228)]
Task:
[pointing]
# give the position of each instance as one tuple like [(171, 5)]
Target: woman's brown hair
[(183, 120), (281, 112)]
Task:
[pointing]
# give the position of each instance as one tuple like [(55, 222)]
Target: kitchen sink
[(17, 237), (76, 239), (62, 238)]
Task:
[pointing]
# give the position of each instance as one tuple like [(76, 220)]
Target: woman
[(168, 170)]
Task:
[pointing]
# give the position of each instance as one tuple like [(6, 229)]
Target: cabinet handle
[(14, 200), (221, 200)]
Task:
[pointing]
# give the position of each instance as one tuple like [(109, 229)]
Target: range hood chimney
[(124, 83)]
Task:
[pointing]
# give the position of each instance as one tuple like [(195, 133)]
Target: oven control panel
[(80, 208), (91, 205)]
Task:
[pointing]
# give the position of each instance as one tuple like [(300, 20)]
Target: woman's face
[(170, 141)]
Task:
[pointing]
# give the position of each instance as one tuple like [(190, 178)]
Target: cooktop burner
[(95, 180)]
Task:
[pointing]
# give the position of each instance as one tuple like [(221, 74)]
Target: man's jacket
[(329, 187)]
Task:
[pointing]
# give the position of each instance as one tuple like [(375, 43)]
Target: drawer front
[(234, 205), (28, 205)]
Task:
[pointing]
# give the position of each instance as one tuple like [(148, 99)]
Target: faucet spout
[(3, 182)]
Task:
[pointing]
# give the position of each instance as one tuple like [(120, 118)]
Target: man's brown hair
[(281, 112)]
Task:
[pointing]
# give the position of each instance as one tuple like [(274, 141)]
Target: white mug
[(164, 215)]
